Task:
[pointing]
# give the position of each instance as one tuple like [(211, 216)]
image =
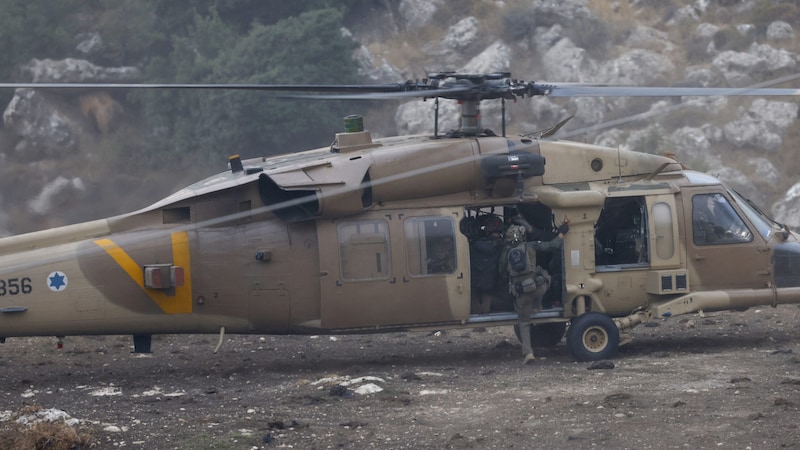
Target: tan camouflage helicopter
[(376, 235)]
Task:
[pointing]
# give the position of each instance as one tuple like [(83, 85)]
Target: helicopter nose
[(786, 261)]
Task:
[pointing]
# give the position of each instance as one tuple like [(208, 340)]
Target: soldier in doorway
[(527, 281)]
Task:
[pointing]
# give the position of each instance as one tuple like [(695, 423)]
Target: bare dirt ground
[(723, 380)]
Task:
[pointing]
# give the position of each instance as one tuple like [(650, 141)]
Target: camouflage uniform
[(528, 303)]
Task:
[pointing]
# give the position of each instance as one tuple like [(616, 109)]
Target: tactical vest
[(524, 276), (520, 262)]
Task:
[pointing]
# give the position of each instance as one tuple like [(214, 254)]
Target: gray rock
[(42, 126), (705, 31), (74, 71), (780, 31), (713, 133), (684, 15), (787, 209), (737, 67), (545, 38), (549, 12), (777, 59), (462, 35), (689, 139), (752, 133), (89, 43), (763, 169), (567, 62), (375, 68), (416, 117), (418, 13), (636, 66), (495, 58), (649, 38), (610, 138), (746, 29), (762, 126), (648, 140), (589, 111), (461, 39), (701, 76), (545, 113), (744, 68), (48, 197), (747, 184)]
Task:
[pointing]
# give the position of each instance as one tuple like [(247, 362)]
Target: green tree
[(131, 30), (307, 49), (34, 29), (179, 16)]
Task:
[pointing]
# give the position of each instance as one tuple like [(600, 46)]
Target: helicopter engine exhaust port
[(593, 337)]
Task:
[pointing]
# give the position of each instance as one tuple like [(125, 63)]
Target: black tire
[(592, 337), (545, 335)]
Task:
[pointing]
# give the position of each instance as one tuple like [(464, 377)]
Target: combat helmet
[(515, 234)]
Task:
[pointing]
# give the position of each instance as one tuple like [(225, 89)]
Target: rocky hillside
[(82, 151)]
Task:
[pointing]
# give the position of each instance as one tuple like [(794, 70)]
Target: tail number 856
[(15, 286)]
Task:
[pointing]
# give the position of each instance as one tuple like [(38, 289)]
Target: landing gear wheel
[(545, 334), (593, 336)]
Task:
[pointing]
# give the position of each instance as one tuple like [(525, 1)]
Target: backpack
[(521, 263), (524, 275)]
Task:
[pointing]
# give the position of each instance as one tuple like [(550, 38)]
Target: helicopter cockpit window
[(430, 245), (714, 221), (761, 222), (621, 234), (364, 250)]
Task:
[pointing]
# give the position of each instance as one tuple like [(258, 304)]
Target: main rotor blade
[(472, 88), (425, 93), (318, 91), (590, 90), (399, 87), (631, 91)]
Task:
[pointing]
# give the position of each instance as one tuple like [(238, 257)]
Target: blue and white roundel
[(57, 281)]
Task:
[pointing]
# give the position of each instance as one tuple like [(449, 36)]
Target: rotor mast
[(469, 90), (470, 122)]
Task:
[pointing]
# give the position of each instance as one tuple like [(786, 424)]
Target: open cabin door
[(388, 268)]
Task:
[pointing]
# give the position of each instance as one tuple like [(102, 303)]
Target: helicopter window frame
[(662, 222), (364, 250), (622, 234), (719, 225), (761, 222), (425, 237)]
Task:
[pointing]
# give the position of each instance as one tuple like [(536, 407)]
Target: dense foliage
[(201, 41), (308, 48), (23, 23)]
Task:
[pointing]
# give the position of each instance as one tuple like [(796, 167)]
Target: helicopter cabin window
[(714, 221), (662, 220), (430, 245), (364, 250), (621, 234)]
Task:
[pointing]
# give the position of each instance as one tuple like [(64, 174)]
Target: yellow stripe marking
[(181, 302)]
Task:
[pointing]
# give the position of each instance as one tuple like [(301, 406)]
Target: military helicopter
[(375, 235)]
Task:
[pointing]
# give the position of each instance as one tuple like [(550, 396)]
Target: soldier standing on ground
[(528, 282)]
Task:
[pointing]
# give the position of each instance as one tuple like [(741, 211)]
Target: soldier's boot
[(527, 348)]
